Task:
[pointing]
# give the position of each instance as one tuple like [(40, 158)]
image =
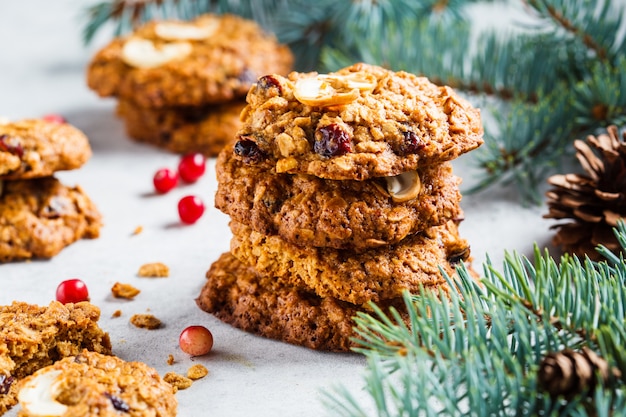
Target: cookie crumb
[(179, 382), (137, 230), (197, 371), (116, 313), (170, 359), (145, 321), (154, 270), (120, 290)]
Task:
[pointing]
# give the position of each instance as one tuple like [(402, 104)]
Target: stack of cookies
[(39, 216), (182, 85), (340, 193)]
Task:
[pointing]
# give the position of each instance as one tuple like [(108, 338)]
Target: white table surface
[(42, 70)]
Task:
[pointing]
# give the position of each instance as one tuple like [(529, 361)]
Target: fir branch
[(476, 351)]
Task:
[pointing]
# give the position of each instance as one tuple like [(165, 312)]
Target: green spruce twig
[(476, 351)]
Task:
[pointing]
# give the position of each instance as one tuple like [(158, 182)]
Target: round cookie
[(259, 304), (92, 384), (205, 129), (309, 211), (39, 217), (375, 275), (211, 59), (37, 148), (32, 337), (360, 122)]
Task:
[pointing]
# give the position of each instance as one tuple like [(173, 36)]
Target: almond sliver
[(317, 91)]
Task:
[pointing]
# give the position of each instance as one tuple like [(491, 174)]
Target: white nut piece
[(180, 31), (404, 187), (4, 120), (362, 81), (37, 395), (333, 90), (142, 53)]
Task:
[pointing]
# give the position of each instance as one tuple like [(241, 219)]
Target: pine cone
[(568, 373), (594, 202)]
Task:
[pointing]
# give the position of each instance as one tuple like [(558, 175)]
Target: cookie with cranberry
[(211, 59), (205, 129), (32, 337), (360, 122), (37, 148), (309, 211), (374, 275), (93, 384), (40, 217), (262, 305)]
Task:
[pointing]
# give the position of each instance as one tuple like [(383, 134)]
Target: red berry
[(190, 209), (164, 180), (191, 167), (196, 340), (54, 118), (72, 291)]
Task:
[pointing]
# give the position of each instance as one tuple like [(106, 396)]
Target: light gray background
[(42, 70)]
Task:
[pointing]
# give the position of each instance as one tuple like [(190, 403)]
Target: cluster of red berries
[(190, 168), (193, 340)]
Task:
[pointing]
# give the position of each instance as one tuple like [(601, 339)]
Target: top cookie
[(208, 60), (360, 122), (37, 148)]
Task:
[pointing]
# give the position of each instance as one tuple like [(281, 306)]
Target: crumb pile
[(181, 85), (39, 216), (340, 192)]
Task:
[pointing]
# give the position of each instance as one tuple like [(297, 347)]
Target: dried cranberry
[(15, 149), (118, 403), (248, 150), (268, 82), (332, 140), (412, 143), (5, 384)]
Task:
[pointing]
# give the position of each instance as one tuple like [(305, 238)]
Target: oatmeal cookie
[(32, 337), (211, 59), (205, 129), (39, 217), (92, 384), (378, 274), (310, 211), (35, 148), (258, 304), (357, 123)]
